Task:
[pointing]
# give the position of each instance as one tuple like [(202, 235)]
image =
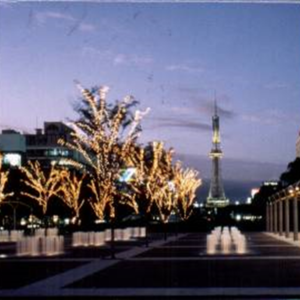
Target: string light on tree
[(105, 146), (186, 184), (43, 185), (70, 189)]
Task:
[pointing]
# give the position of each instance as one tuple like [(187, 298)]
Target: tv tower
[(216, 196)]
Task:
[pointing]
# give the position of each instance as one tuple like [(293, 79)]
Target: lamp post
[(14, 205)]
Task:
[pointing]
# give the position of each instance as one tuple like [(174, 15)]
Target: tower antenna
[(215, 103)]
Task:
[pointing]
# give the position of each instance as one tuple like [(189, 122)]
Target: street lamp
[(294, 191)]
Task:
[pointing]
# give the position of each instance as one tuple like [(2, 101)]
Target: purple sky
[(172, 57)]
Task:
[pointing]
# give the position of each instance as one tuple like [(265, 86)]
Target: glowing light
[(270, 183), (55, 218), (238, 217), (99, 221), (127, 174), (226, 241), (73, 220), (254, 192), (12, 159)]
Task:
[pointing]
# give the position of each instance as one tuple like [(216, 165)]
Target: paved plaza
[(177, 267)]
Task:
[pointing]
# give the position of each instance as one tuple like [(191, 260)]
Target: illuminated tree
[(152, 180), (69, 191), (170, 187), (104, 145), (148, 164), (83, 108), (131, 191), (159, 184), (43, 184), (165, 200), (185, 186), (3, 182)]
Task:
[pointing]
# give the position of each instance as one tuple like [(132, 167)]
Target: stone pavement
[(177, 267)]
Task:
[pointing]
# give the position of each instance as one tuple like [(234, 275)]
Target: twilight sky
[(173, 57)]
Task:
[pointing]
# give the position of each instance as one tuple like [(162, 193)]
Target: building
[(41, 146), (216, 196), (13, 147)]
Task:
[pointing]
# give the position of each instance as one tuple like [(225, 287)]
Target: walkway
[(178, 267)]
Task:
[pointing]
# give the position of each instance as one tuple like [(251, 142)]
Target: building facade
[(42, 146), (216, 196), (13, 147)]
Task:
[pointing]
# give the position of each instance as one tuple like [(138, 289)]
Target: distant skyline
[(173, 57)]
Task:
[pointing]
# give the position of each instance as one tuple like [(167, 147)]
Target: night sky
[(172, 57)]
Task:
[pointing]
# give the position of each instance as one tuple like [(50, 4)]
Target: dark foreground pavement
[(178, 267)]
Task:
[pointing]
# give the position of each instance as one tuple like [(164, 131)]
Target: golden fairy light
[(165, 200), (185, 185), (104, 146), (43, 185), (130, 194), (3, 181), (153, 176), (161, 183), (69, 191)]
